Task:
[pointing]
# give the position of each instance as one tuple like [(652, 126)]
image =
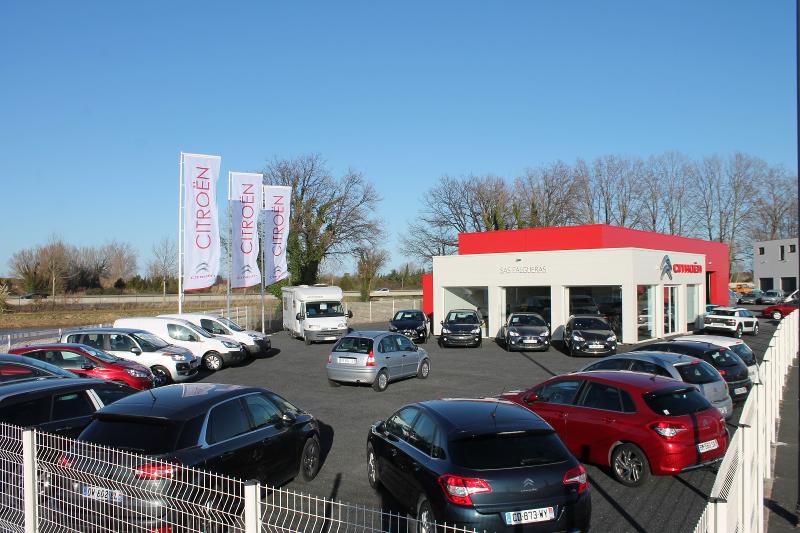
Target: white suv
[(733, 320), (254, 342)]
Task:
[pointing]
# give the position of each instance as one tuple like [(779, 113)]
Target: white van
[(254, 342), (214, 352), (314, 313)]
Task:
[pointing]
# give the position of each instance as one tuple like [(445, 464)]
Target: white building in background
[(775, 265)]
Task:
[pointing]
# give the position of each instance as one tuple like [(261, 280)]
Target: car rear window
[(722, 357), (676, 402), (353, 344), (745, 353), (148, 436), (698, 373), (508, 450), (722, 312)]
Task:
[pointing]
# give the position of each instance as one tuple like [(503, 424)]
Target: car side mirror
[(349, 314), (87, 366), (288, 418), (441, 322), (380, 426), (531, 398), (300, 316), (136, 350)]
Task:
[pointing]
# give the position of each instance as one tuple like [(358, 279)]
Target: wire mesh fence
[(12, 518)]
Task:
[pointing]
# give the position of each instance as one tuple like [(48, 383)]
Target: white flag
[(246, 201), (276, 228), (200, 221)]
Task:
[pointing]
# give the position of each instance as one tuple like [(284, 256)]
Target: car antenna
[(494, 411), (150, 390)]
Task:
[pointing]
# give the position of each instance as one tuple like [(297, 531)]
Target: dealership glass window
[(670, 310), (692, 307), (467, 298), (603, 300), (646, 311), (528, 299)]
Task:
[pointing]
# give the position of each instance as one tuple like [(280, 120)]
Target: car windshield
[(147, 437), (772, 293), (508, 450), (723, 312), (671, 402), (100, 354), (149, 342), (230, 323), (698, 373), (354, 344), (409, 315), (745, 353), (319, 309), (526, 320), (461, 317), (198, 330), (590, 323)]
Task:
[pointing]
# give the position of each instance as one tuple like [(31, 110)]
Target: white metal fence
[(50, 483), (737, 498)]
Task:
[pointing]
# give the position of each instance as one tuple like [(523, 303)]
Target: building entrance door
[(670, 310)]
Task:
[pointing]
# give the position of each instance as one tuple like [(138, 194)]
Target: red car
[(635, 423), (90, 362), (781, 310)]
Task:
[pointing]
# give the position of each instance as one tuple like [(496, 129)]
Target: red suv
[(635, 423), (90, 362)]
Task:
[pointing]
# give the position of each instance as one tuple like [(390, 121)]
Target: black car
[(727, 362), (411, 323), (487, 464), (461, 327), (63, 406), (242, 432), (589, 335), (526, 331), (19, 367)]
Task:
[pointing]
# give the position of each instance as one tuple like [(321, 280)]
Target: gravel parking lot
[(346, 413)]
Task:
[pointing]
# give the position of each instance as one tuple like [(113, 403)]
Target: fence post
[(392, 307), (9, 341), (29, 480), (252, 507), (370, 310)]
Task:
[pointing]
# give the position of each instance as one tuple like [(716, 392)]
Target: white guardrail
[(737, 498), (50, 483)]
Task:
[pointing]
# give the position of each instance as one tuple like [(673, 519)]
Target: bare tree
[(775, 211), (546, 196), (54, 256), (121, 260), (369, 262), (27, 267), (164, 264), (329, 216)]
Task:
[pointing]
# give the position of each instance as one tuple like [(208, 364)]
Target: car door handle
[(609, 420), (227, 455)]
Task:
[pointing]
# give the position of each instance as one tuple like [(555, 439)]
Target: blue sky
[(98, 98)]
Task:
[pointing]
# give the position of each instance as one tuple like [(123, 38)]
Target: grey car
[(526, 331), (749, 298), (676, 366), (376, 358), (772, 297)]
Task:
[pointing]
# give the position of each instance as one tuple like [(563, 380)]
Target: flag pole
[(262, 213), (180, 235), (230, 243)]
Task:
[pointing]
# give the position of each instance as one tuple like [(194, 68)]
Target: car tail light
[(577, 476), (330, 358), (371, 358), (64, 461), (668, 429), (155, 471), (459, 489), (722, 372), (160, 529)]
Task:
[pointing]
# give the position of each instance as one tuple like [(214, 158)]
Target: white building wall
[(770, 265)]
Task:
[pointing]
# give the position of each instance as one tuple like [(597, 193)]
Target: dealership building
[(649, 285)]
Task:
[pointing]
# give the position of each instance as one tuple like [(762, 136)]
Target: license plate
[(530, 341), (101, 494), (707, 446), (346, 360), (740, 390), (530, 515), (723, 410), (329, 338), (595, 346)]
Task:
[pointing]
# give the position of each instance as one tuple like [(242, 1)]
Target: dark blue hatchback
[(486, 464)]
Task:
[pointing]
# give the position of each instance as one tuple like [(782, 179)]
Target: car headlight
[(612, 338), (445, 330), (392, 328), (476, 330), (136, 373), (577, 337), (342, 325), (513, 334), (229, 344)]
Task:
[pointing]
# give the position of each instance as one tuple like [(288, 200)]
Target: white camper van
[(314, 313)]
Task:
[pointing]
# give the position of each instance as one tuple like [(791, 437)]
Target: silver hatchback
[(375, 358), (676, 366)]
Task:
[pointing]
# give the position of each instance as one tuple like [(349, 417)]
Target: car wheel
[(480, 342), (333, 383), (738, 332), (212, 361), (372, 468), (777, 315), (161, 376), (306, 340), (309, 459), (426, 523), (423, 339), (629, 465), (755, 329), (440, 343), (424, 369), (381, 381)]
